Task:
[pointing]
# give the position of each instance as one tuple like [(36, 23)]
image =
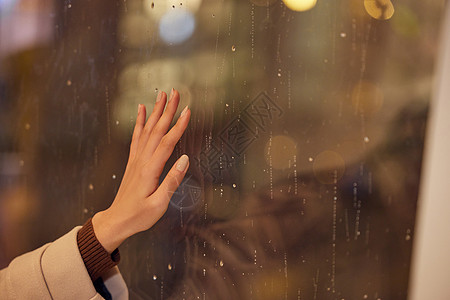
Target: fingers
[(152, 120), (140, 122), (165, 148), (161, 127), (171, 182)]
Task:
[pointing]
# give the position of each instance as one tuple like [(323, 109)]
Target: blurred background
[(306, 137)]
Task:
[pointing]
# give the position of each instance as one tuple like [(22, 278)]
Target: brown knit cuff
[(96, 259)]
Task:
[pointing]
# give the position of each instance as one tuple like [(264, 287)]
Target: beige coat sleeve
[(56, 271)]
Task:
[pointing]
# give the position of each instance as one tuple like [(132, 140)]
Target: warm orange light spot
[(379, 9)]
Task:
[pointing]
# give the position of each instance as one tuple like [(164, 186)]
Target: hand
[(140, 202)]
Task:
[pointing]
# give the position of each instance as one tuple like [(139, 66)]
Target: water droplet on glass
[(343, 35), (27, 126), (407, 237), (221, 263), (154, 277), (365, 296), (69, 6), (117, 122), (234, 185), (233, 48), (366, 139), (69, 82), (114, 176), (153, 4), (85, 210), (21, 163), (169, 266), (91, 186), (310, 159), (213, 15)]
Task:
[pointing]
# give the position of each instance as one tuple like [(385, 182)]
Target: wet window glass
[(305, 140)]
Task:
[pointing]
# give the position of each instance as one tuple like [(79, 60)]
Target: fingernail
[(139, 108), (184, 111), (159, 97), (172, 92), (182, 163)]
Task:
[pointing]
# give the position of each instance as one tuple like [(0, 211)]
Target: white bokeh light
[(176, 26)]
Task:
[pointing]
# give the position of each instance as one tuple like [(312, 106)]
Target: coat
[(56, 271)]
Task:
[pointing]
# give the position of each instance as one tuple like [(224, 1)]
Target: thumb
[(172, 180)]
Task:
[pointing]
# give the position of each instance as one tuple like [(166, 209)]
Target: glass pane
[(305, 140)]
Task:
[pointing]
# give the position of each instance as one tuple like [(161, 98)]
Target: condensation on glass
[(305, 139)]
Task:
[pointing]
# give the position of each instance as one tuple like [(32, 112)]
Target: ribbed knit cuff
[(96, 259)]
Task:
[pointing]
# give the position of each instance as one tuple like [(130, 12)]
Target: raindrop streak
[(347, 230), (217, 43), (278, 49), (333, 258), (316, 284), (229, 24), (357, 205), (285, 275), (295, 176), (252, 32), (367, 233), (269, 153), (108, 120)]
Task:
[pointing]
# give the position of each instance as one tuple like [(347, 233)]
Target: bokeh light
[(300, 5), (176, 26), (379, 9)]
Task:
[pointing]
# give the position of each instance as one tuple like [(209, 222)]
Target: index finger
[(165, 148)]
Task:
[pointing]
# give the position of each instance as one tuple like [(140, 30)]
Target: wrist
[(108, 230)]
